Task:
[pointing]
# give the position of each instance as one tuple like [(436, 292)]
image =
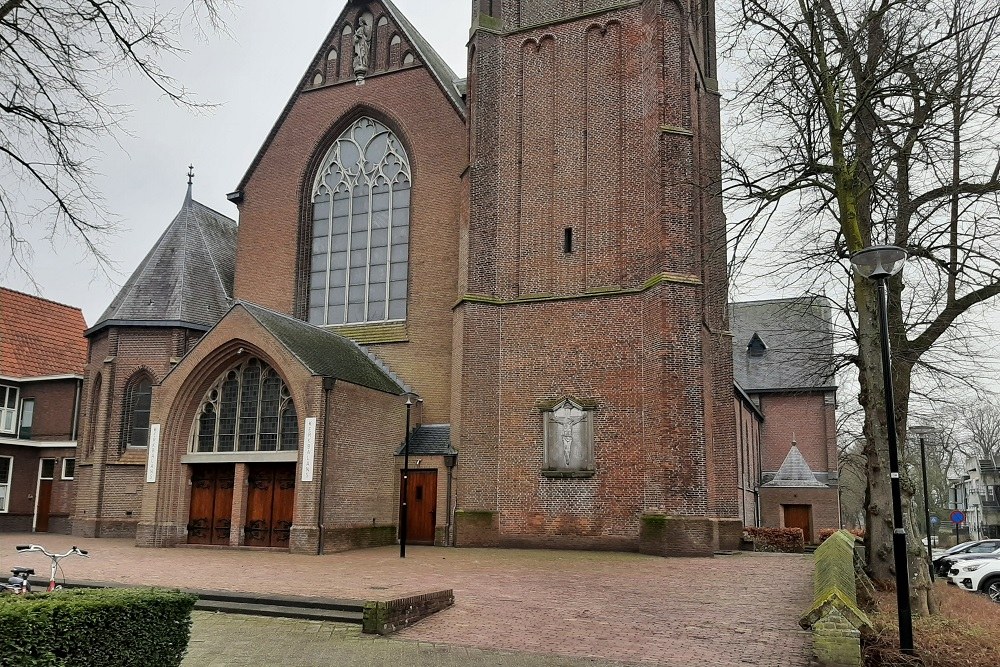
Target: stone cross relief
[(362, 46), (567, 418)]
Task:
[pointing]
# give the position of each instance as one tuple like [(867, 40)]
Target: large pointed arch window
[(248, 409), (135, 415), (361, 229)]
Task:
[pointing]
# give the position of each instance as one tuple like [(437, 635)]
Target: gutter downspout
[(328, 384), (76, 409), (449, 461)]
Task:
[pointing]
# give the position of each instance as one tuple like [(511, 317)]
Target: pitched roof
[(430, 440), (451, 85), (794, 471), (40, 338), (186, 278), (326, 353), (798, 339)]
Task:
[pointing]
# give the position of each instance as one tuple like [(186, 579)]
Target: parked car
[(978, 575), (966, 551)]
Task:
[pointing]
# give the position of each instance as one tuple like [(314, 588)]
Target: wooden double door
[(799, 516), (211, 503), (270, 504)]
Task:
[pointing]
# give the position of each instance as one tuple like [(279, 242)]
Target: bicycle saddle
[(22, 571)]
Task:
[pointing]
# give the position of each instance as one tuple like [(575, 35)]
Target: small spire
[(190, 180), (794, 444)]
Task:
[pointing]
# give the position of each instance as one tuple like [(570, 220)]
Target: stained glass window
[(361, 229), (249, 409)]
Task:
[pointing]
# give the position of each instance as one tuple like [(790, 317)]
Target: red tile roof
[(39, 337)]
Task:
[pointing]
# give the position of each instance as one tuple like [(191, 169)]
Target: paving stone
[(532, 605)]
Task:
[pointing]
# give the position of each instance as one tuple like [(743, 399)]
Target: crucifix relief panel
[(569, 437)]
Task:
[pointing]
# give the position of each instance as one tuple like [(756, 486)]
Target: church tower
[(593, 365)]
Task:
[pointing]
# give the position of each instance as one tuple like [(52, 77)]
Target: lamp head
[(411, 398), (879, 261)]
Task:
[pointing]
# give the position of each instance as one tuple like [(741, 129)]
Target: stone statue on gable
[(362, 46)]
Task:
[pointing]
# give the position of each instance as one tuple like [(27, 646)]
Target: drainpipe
[(328, 384), (449, 461), (76, 409)]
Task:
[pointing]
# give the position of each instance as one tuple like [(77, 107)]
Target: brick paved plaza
[(629, 608)]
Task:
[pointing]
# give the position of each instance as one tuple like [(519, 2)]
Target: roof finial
[(190, 181), (794, 444)]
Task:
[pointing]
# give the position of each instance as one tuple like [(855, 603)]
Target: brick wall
[(23, 490), (825, 511), (54, 406), (600, 129), (809, 418), (275, 232)]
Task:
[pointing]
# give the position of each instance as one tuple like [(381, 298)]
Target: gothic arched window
[(248, 409), (361, 229), (135, 416)]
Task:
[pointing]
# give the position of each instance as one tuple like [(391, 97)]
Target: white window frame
[(63, 473), (5, 506), (9, 413)]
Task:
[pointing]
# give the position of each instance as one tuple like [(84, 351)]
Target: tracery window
[(249, 409), (135, 419), (361, 229)]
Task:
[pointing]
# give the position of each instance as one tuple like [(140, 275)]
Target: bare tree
[(983, 424), (865, 122), (58, 63)]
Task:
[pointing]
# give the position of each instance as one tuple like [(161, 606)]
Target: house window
[(48, 469), (361, 229), (135, 423), (249, 409), (27, 417), (8, 409), (6, 468), (69, 468)]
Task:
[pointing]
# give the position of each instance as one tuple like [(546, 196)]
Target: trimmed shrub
[(776, 540), (824, 533), (122, 627)]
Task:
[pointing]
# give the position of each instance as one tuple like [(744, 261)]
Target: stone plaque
[(569, 437)]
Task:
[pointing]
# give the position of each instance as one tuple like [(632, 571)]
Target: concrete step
[(254, 609)]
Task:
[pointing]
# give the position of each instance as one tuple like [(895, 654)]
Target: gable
[(391, 44)]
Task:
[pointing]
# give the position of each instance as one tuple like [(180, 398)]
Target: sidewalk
[(725, 611)]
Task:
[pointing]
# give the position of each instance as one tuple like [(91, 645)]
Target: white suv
[(978, 575)]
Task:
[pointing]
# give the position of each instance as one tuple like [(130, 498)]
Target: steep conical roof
[(186, 279), (795, 472)]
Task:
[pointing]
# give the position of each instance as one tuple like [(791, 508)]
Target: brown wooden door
[(798, 516), (270, 505), (421, 504), (211, 504), (46, 473)]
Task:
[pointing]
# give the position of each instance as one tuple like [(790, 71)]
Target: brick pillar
[(240, 491)]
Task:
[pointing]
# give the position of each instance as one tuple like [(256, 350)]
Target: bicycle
[(19, 583)]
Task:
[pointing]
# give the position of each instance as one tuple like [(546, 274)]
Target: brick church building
[(529, 262)]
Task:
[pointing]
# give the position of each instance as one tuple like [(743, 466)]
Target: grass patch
[(964, 632)]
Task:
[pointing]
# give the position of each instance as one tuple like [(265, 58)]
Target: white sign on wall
[(308, 449), (153, 453)]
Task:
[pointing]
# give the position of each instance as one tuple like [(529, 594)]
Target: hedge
[(777, 540), (824, 533), (125, 627)]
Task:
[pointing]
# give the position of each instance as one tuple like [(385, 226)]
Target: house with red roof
[(42, 357)]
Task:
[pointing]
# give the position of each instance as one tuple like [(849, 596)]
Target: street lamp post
[(404, 490), (921, 431), (879, 263)]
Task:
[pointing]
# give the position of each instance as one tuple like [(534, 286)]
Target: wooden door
[(421, 505), (798, 516), (270, 505), (211, 504), (46, 473)]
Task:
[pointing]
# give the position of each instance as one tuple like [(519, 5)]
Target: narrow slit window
[(568, 240)]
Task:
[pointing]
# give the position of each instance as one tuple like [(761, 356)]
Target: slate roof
[(39, 338), (430, 440), (795, 472), (798, 335), (326, 353), (187, 278)]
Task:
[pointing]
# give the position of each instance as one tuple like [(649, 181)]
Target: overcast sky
[(250, 74)]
